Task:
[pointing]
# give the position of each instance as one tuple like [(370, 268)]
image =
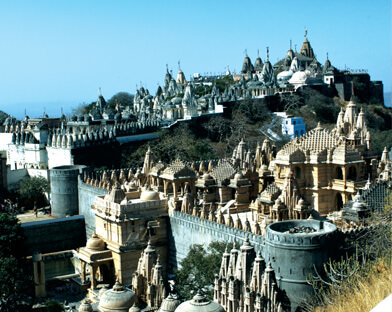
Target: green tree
[(14, 283), (33, 189), (198, 269), (120, 98), (178, 143), (54, 306), (83, 109)]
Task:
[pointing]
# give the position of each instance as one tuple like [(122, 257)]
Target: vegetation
[(180, 143), (33, 190), (14, 283), (360, 282), (198, 270), (54, 306), (123, 99), (315, 107)]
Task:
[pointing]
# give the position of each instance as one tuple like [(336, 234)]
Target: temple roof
[(223, 171), (178, 169), (315, 141)]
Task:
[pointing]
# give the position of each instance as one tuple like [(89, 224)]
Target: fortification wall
[(54, 235), (86, 195), (64, 187), (186, 230), (294, 256)]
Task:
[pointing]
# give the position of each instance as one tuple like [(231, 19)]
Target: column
[(83, 272), (174, 190), (39, 275), (93, 270)]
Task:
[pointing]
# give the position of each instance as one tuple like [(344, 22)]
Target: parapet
[(318, 232)]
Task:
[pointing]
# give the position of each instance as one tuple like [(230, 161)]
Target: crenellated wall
[(295, 256), (186, 230), (86, 195)]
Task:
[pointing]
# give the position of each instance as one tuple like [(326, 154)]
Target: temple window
[(352, 173), (339, 173)]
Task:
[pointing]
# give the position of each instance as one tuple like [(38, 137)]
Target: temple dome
[(149, 195), (169, 304), (85, 306), (118, 299), (95, 243), (298, 78), (284, 75), (199, 303)]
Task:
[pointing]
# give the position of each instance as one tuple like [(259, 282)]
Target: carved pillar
[(174, 190), (83, 273), (165, 187), (93, 271), (39, 275)]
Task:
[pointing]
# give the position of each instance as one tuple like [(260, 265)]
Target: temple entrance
[(339, 201), (106, 277)]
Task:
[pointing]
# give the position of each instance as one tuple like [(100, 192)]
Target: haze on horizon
[(58, 53)]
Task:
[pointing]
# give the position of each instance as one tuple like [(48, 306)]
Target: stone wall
[(86, 194), (64, 188), (54, 235), (295, 256), (186, 230)]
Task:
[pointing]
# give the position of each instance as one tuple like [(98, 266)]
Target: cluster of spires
[(245, 283), (147, 281)]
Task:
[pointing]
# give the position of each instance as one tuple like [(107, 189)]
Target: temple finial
[(290, 44), (257, 52), (267, 52), (179, 65), (352, 89), (306, 33), (327, 55)]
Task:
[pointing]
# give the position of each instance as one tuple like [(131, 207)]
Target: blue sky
[(58, 53)]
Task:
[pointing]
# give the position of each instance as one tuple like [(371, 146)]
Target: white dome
[(199, 303), (284, 75), (119, 298), (298, 78)]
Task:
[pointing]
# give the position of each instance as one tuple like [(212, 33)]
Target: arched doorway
[(339, 201), (298, 172), (339, 173)]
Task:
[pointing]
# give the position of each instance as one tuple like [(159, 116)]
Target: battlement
[(278, 233)]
